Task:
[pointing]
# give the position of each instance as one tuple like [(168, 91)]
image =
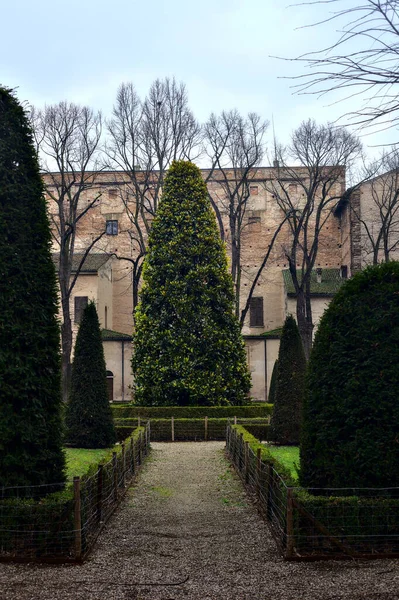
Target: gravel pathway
[(186, 530)]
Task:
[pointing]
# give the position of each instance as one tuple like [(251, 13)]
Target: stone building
[(106, 276)]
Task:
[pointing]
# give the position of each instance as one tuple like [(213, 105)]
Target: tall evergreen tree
[(273, 384), (88, 418), (287, 412), (351, 408), (30, 398), (188, 348)]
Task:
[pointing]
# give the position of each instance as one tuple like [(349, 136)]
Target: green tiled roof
[(108, 335), (329, 285), (91, 265), (273, 333)]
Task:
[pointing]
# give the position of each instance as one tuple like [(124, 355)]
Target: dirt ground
[(186, 530)]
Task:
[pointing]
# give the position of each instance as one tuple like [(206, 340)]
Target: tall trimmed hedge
[(188, 348), (273, 384), (351, 411), (290, 380), (30, 399), (88, 418)]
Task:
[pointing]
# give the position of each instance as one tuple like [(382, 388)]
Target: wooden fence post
[(123, 464), (141, 448), (290, 524), (138, 421), (99, 492), (172, 424), (246, 461), (235, 420), (258, 471), (132, 458), (206, 428), (77, 518), (115, 474), (240, 452)]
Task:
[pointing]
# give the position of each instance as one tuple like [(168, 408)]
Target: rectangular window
[(253, 190), (256, 312), (112, 193), (80, 305), (111, 228)]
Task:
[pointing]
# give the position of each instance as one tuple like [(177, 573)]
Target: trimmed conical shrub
[(88, 419), (30, 399), (288, 398), (273, 384), (351, 409), (188, 348)]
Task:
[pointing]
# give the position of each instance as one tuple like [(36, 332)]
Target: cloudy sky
[(222, 49)]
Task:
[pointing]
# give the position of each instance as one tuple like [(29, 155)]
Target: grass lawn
[(288, 456), (79, 460)]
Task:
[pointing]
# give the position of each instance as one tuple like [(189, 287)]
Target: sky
[(223, 50)]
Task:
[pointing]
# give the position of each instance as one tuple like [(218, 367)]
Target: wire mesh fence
[(313, 524), (173, 429), (61, 523)]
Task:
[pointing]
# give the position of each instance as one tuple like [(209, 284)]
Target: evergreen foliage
[(351, 409), (30, 399), (88, 417), (188, 348), (290, 381), (273, 384)]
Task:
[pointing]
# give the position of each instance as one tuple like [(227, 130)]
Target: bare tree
[(236, 147), (307, 197), (378, 214), (68, 138), (363, 60), (144, 138)]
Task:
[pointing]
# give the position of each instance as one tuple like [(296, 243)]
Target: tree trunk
[(305, 325), (66, 341)]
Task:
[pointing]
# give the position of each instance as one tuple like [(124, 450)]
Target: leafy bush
[(252, 411), (290, 381), (88, 417), (188, 348), (30, 370), (351, 410)]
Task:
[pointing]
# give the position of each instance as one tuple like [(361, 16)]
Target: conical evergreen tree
[(273, 384), (351, 408), (88, 418), (30, 399), (188, 348), (287, 412)]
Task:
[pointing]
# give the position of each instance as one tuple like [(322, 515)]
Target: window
[(80, 305), (254, 217), (112, 193), (111, 228), (253, 190), (256, 312)]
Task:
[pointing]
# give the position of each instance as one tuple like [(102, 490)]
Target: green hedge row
[(42, 527), (358, 524), (191, 429), (252, 411)]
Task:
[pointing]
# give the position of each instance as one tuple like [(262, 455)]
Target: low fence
[(204, 429), (350, 523), (61, 523)]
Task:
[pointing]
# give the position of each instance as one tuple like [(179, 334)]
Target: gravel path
[(186, 530)]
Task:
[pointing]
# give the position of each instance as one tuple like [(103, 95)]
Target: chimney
[(276, 164), (318, 275)]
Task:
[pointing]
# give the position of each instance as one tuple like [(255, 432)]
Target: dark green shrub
[(188, 348), (351, 409), (30, 400), (88, 417), (192, 412), (287, 412), (273, 384)]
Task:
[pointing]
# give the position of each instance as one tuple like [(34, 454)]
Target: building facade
[(106, 276)]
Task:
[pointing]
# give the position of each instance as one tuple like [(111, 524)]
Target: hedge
[(251, 411), (359, 525)]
